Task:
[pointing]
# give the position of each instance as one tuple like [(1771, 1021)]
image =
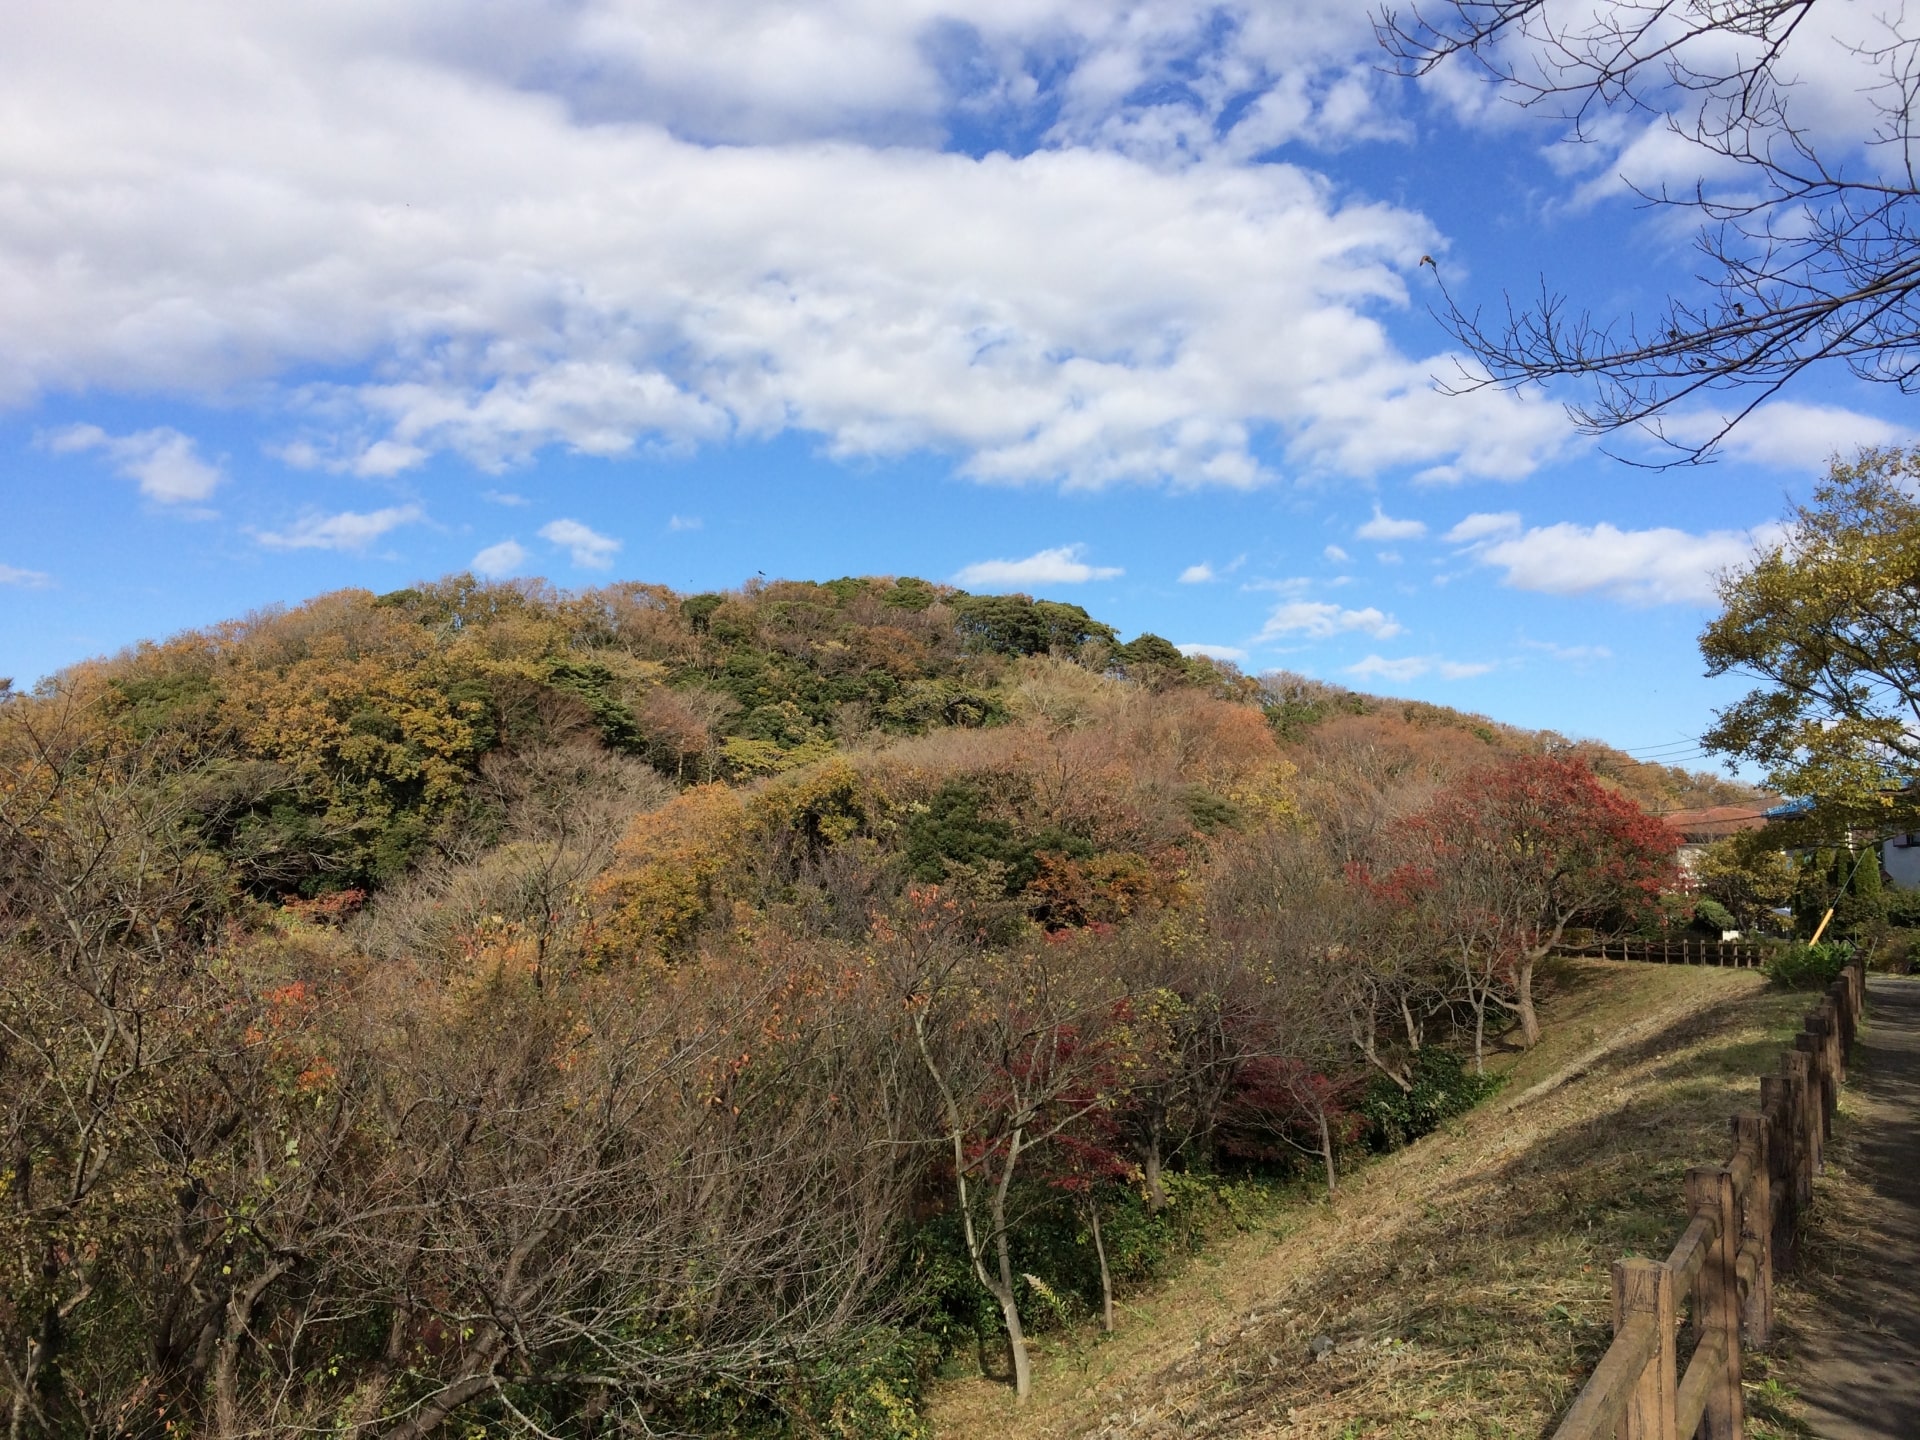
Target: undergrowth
[(1459, 1287)]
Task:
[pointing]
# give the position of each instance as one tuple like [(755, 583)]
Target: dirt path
[(1852, 1328)]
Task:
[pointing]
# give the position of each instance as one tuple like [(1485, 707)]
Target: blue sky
[(1122, 304)]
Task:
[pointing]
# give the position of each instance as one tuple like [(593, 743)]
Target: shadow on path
[(1858, 1368)]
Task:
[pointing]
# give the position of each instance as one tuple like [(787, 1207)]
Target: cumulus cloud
[(587, 547), (1320, 620), (1059, 566), (1214, 652), (533, 246), (1174, 79), (1660, 566), (1480, 527), (499, 560), (165, 463), (1385, 527), (1198, 574), (681, 523), (1834, 60), (1336, 554), (25, 579), (1789, 435), (1412, 667), (349, 530)]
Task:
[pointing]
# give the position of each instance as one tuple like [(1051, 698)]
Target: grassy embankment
[(1464, 1280)]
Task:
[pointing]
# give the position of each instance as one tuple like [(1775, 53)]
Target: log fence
[(1743, 1222), (1731, 954)]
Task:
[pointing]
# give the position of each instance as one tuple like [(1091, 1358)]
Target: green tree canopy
[(1828, 619)]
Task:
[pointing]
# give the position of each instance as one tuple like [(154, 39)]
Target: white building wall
[(1901, 857)]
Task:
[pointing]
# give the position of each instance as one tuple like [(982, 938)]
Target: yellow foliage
[(672, 866), (1267, 793), (662, 882), (827, 801)]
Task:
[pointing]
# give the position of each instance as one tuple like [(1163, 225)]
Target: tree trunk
[(1106, 1276), (1326, 1151), (225, 1377), (1150, 1170), (1529, 1020), (1010, 1308), (1480, 1037), (449, 1398)]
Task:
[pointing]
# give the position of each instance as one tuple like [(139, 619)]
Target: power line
[(1650, 750)]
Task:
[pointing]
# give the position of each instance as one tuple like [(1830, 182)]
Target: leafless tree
[(1010, 1042), (1808, 240)]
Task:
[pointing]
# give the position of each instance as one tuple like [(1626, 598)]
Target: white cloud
[(1570, 654), (25, 579), (1481, 526), (1835, 58), (1412, 667), (1214, 652), (1661, 566), (680, 523), (1059, 566), (163, 461), (520, 235), (1197, 574), (386, 458), (1336, 554), (1791, 436), (1385, 527), (588, 548), (503, 497), (500, 560), (1320, 619), (349, 530)]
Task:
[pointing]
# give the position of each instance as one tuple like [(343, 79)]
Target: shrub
[(1804, 967), (1903, 909), (1442, 1088), (1897, 950), (1710, 915)]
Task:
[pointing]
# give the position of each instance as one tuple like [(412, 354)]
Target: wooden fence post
[(1812, 1041), (1806, 1130), (1776, 1105), (1645, 1287), (1830, 1033), (1751, 1133), (1841, 992), (1716, 1301), (1831, 1010)]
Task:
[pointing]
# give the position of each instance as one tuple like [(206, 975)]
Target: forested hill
[(481, 1008), (349, 733)]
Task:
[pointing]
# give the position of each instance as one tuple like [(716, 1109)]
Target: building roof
[(1716, 822)]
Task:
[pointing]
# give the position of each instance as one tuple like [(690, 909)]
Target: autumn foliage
[(481, 1007)]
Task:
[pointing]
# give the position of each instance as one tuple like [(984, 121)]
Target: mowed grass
[(1464, 1282)]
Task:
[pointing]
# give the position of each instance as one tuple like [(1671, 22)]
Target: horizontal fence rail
[(1731, 954), (1743, 1220)]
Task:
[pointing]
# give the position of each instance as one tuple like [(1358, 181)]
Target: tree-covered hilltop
[(484, 1006), (342, 739), (347, 732)]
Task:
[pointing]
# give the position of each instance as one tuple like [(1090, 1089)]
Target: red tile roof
[(1718, 821)]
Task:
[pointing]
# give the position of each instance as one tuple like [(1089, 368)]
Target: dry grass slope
[(1463, 1282)]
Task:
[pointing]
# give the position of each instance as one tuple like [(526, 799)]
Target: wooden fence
[(1744, 1220), (1734, 954)]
